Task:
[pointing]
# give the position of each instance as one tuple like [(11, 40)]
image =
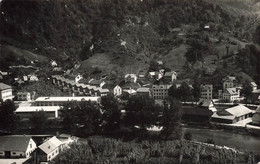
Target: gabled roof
[(239, 110), (14, 143), (4, 86), (232, 90), (143, 90), (50, 145), (170, 73), (253, 84)]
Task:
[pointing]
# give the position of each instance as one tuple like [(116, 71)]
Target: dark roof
[(14, 143), (196, 111), (4, 86)]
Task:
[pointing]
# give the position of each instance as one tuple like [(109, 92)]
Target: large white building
[(206, 91), (117, 91), (25, 112), (59, 101), (5, 92), (160, 92)]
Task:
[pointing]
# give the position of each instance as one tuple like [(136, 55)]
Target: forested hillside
[(123, 32)]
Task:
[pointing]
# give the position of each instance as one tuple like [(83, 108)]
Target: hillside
[(124, 36)]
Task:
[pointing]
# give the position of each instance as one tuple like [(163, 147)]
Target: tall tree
[(39, 122), (174, 92), (247, 90), (8, 119), (196, 90), (184, 91), (171, 119), (111, 113)]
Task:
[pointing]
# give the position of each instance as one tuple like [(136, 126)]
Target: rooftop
[(37, 108), (58, 99), (51, 144), (143, 90), (4, 86), (14, 142), (239, 110)]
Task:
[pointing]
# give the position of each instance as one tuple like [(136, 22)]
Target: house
[(5, 92), (229, 82), (53, 63), (16, 146), (33, 78), (48, 150), (25, 78), (103, 92), (206, 91), (26, 112), (23, 96), (117, 90), (129, 91), (143, 91), (207, 104), (97, 83), (231, 115), (59, 101), (231, 94), (159, 63), (256, 95), (256, 117), (253, 85), (3, 74), (170, 76), (209, 69), (160, 92), (78, 77), (130, 78)]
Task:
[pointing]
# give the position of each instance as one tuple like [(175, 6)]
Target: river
[(224, 138)]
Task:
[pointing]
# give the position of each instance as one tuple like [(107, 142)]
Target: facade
[(16, 146), (231, 94), (5, 92), (117, 91), (26, 112), (48, 150), (160, 92), (23, 96), (59, 101), (206, 91), (231, 115)]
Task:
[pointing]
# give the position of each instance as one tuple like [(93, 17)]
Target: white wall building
[(160, 92), (117, 91), (5, 92), (206, 91)]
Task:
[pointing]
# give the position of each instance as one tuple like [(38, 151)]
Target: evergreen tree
[(39, 122), (8, 119)]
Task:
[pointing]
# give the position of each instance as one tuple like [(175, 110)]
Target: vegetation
[(39, 122), (8, 120), (100, 150)]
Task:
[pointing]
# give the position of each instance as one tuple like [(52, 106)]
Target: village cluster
[(47, 147)]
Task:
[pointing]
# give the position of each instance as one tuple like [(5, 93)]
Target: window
[(13, 153), (30, 145)]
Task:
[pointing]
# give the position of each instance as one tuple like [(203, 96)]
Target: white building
[(253, 85), (130, 78), (23, 96), (78, 78), (206, 91), (5, 92), (16, 146), (26, 112), (160, 92), (229, 82), (231, 94), (117, 90)]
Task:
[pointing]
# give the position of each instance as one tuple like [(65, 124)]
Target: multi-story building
[(229, 82), (231, 94), (23, 96), (206, 91), (160, 92), (117, 90), (5, 92)]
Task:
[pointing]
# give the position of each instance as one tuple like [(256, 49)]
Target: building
[(5, 92), (143, 91), (117, 90), (160, 92), (130, 78), (26, 112), (206, 91), (253, 85), (78, 78), (33, 78), (170, 76), (196, 114), (207, 104), (129, 91), (209, 69), (23, 96), (231, 94), (16, 146), (256, 117), (231, 115), (229, 82), (59, 101), (103, 92), (48, 150)]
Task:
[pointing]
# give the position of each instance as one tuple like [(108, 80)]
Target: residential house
[(170, 76), (253, 85), (160, 92), (16, 146), (25, 78), (231, 115), (229, 82), (33, 78), (5, 92), (103, 92), (53, 63), (23, 96), (143, 91), (3, 74), (207, 104), (209, 69), (256, 117), (78, 78), (48, 150), (231, 94), (206, 91), (130, 78), (97, 83), (117, 90), (129, 91), (26, 112)]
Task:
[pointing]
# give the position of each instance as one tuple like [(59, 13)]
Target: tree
[(247, 90), (111, 113), (196, 90), (184, 92), (8, 119), (171, 120), (174, 92), (141, 111), (188, 136), (38, 121)]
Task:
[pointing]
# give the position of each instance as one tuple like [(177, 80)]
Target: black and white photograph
[(129, 81)]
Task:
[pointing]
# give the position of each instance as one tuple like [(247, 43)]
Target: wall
[(6, 94)]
